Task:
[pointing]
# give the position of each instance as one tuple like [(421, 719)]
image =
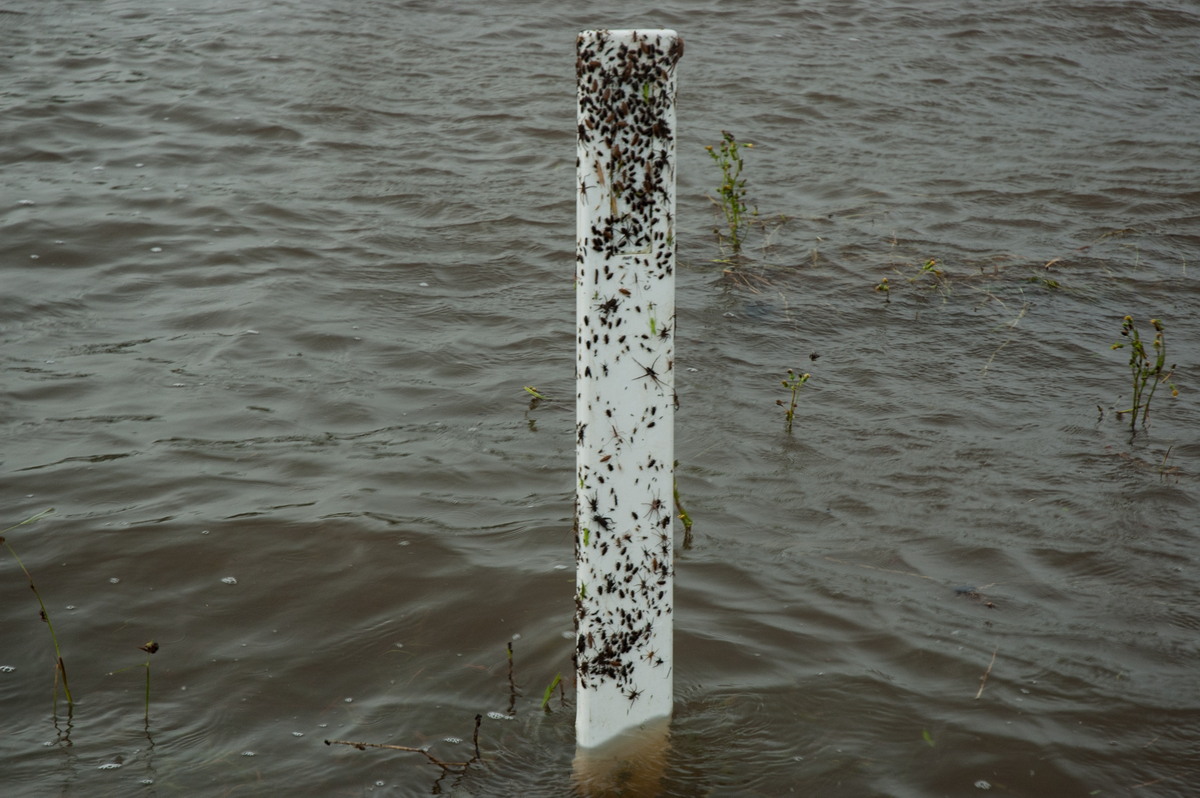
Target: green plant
[(550, 691), (1146, 370), (931, 273), (885, 289), (683, 514), (728, 157), (794, 382), (60, 668)]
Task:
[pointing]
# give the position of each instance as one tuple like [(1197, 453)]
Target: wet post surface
[(625, 396)]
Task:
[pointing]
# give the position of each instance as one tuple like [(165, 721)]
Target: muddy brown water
[(274, 275)]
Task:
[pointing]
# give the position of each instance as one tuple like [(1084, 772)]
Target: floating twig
[(512, 684), (361, 746), (983, 679)]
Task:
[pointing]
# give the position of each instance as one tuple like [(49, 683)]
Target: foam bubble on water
[(156, 249), (249, 753), (34, 257), (297, 734), (983, 785), (452, 740), (26, 202), (349, 700), (499, 716), (229, 580), (114, 580), (109, 766), (7, 669)]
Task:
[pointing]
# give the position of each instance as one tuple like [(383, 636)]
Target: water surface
[(273, 280)]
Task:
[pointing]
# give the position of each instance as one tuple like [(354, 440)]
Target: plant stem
[(150, 648), (794, 383), (60, 667)]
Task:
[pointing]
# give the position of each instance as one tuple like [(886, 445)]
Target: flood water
[(273, 275)]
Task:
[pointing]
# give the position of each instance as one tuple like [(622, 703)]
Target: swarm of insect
[(625, 258)]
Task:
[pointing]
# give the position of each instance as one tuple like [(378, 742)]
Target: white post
[(625, 367)]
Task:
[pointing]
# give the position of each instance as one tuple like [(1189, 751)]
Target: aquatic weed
[(1147, 371), (732, 191), (794, 382)]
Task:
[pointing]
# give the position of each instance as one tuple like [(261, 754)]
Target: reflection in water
[(632, 764)]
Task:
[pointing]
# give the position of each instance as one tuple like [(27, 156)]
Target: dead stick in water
[(512, 683), (426, 754), (983, 679), (443, 765)]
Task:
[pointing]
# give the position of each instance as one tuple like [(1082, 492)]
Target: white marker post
[(625, 365)]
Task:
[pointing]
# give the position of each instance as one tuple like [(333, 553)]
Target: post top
[(627, 33), (648, 43)]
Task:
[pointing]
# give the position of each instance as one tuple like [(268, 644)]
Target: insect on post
[(625, 378)]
